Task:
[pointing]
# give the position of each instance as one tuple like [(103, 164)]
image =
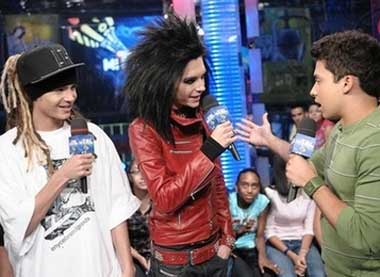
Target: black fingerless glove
[(212, 149)]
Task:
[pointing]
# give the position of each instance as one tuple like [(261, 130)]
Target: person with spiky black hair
[(190, 222)]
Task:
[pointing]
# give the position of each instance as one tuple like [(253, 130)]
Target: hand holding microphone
[(299, 170), (77, 166), (224, 134), (81, 142), (217, 118)]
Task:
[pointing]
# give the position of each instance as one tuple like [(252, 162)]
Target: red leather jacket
[(187, 189)]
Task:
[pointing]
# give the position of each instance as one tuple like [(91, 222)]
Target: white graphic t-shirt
[(74, 239)]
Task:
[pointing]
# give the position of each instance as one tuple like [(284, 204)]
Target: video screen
[(24, 32), (103, 44)]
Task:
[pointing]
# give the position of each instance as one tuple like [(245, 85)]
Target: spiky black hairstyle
[(154, 67)]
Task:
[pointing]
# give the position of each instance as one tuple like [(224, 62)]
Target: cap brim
[(56, 72)]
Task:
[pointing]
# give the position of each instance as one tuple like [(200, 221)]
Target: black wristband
[(212, 149), (286, 251)]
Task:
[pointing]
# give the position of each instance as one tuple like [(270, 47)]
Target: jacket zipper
[(200, 188), (194, 192)]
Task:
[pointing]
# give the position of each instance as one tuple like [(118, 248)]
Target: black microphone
[(303, 144), (81, 142), (216, 114)]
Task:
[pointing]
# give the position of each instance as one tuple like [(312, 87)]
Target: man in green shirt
[(343, 177)]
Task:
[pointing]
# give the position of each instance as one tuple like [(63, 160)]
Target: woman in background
[(138, 223), (324, 126), (289, 229)]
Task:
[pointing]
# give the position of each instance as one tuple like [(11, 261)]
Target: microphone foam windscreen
[(78, 126), (209, 101), (307, 127)]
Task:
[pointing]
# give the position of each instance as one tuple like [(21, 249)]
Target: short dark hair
[(351, 53), (248, 170), (154, 67), (297, 105), (245, 170)]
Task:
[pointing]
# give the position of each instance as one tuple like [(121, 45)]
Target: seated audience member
[(138, 223), (324, 126), (289, 229), (5, 266), (249, 211)]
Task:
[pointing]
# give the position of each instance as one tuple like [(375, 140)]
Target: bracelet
[(313, 185), (286, 251)]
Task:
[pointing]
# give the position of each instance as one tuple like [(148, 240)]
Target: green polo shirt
[(350, 165)]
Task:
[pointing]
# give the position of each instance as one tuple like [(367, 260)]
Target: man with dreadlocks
[(52, 227), (190, 222)]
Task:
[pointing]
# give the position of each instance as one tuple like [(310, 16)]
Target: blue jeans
[(315, 267)]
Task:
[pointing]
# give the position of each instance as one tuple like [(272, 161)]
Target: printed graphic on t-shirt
[(249, 224), (69, 207)]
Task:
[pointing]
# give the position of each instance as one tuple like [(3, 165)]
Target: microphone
[(81, 142), (216, 114), (303, 144)]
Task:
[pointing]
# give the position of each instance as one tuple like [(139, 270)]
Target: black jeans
[(140, 270), (250, 257), (241, 269), (215, 267)]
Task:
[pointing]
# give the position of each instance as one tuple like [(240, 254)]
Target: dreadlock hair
[(18, 107), (351, 53), (154, 67)]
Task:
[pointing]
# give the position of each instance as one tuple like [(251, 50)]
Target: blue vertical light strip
[(221, 25)]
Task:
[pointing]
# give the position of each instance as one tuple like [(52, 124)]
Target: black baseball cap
[(46, 68), (42, 63)]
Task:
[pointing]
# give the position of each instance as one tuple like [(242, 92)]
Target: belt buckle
[(158, 255), (191, 257)]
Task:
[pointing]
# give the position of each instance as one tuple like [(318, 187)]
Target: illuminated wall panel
[(221, 25)]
